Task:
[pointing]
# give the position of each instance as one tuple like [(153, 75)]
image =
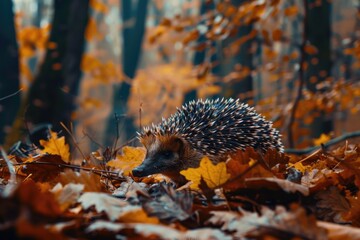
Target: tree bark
[(319, 35), (9, 68), (132, 44), (52, 95)]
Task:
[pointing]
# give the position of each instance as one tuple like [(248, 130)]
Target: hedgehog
[(212, 128)]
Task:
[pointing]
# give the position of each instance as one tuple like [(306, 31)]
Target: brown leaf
[(44, 169), (276, 184), (279, 223), (273, 157), (337, 231), (167, 204), (28, 230), (42, 203), (353, 214), (331, 205)]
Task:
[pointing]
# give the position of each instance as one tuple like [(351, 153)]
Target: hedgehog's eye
[(167, 154)]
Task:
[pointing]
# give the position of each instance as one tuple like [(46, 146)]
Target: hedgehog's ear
[(178, 144), (147, 140)]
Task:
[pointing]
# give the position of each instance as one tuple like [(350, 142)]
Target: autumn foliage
[(65, 188), (251, 195)]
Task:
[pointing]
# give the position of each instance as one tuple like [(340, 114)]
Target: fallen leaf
[(41, 203), (68, 194), (131, 158), (337, 231), (44, 169), (167, 204), (276, 184), (90, 181), (213, 175), (56, 145), (136, 231), (113, 207), (279, 223)]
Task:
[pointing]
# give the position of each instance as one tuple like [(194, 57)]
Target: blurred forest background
[(102, 66)]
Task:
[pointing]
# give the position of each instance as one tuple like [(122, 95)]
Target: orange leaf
[(213, 175), (57, 146), (131, 158)]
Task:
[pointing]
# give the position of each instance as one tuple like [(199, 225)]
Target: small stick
[(11, 95), (73, 138)]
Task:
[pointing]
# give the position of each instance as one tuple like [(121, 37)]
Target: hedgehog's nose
[(137, 172)]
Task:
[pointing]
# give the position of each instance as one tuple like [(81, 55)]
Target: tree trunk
[(319, 35), (52, 95), (199, 56), (132, 43), (9, 68)]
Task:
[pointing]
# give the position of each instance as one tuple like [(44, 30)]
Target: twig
[(301, 77), (12, 181), (91, 139), (66, 166), (307, 157), (11, 95), (328, 144), (341, 161), (74, 139)]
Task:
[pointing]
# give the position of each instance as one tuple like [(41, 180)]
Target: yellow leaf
[(131, 158), (322, 139), (213, 175), (299, 166), (57, 146)]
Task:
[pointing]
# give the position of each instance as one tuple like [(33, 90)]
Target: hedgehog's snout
[(138, 172), (147, 167)]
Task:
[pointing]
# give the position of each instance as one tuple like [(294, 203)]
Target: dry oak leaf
[(213, 175), (113, 207), (68, 194), (152, 231), (276, 184), (139, 230), (131, 158), (56, 145), (281, 223), (46, 168)]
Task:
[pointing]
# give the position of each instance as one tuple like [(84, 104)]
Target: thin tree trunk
[(319, 35), (132, 44), (199, 56), (9, 68), (52, 94)]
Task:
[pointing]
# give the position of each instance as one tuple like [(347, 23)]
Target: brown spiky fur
[(187, 156), (213, 128)]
